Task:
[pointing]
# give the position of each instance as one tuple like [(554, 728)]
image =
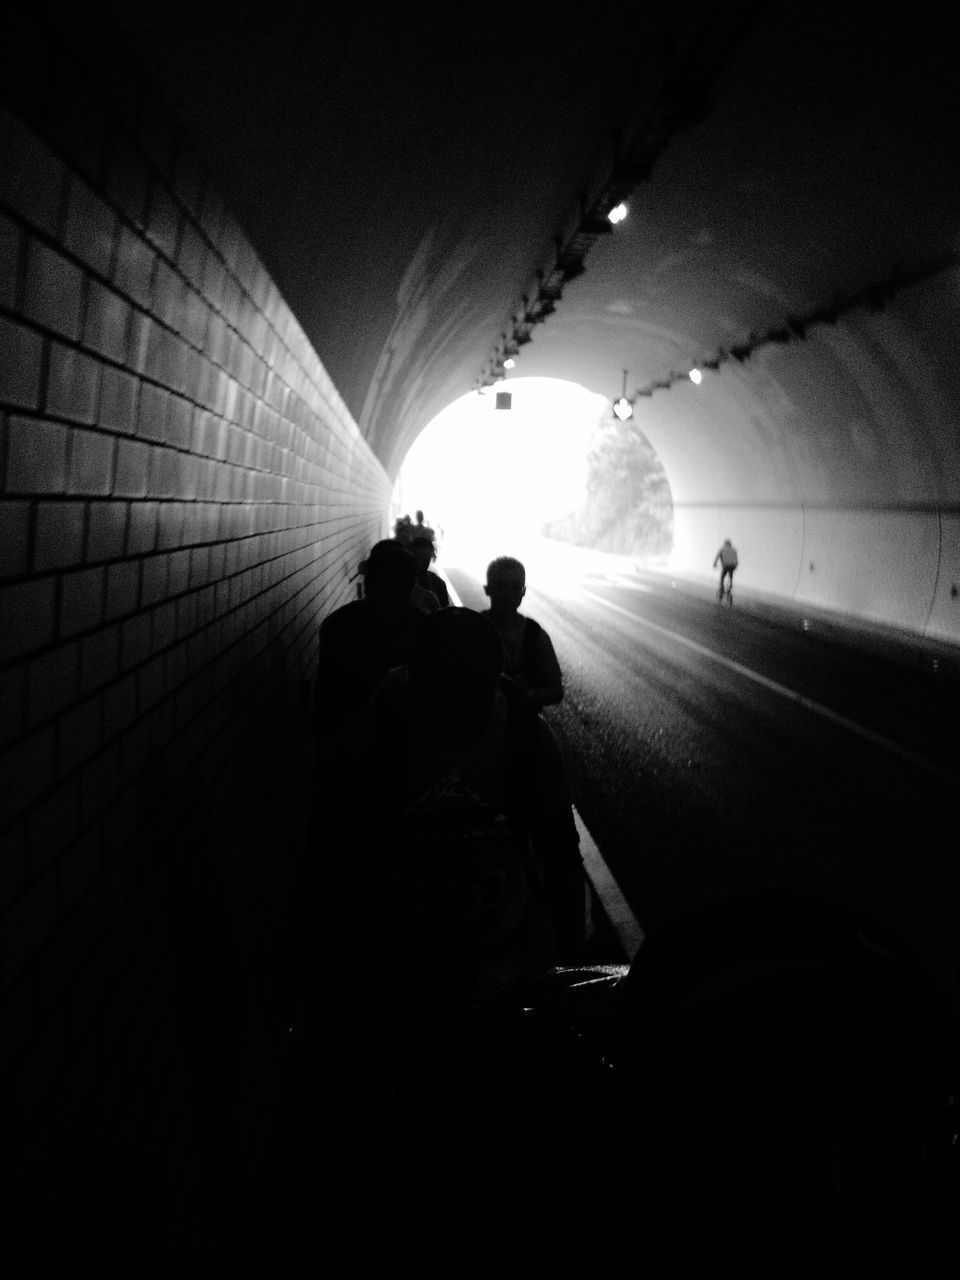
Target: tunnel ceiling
[(420, 181)]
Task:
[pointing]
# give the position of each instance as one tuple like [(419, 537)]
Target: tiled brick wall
[(182, 496)]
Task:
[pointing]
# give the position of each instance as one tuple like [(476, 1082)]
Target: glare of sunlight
[(488, 481)]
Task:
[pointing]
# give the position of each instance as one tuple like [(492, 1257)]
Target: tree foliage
[(627, 508)]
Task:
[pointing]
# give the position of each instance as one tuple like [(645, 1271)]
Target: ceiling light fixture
[(622, 407), (684, 98), (796, 327)]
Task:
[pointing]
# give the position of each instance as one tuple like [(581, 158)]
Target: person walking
[(424, 552), (422, 530), (529, 658)]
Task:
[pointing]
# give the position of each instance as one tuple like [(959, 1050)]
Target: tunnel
[(247, 254)]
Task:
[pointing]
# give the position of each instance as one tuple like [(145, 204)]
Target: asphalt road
[(713, 748)]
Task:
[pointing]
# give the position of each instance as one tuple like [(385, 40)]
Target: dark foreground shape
[(769, 1086)]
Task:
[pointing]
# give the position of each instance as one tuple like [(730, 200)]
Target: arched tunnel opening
[(263, 277), (551, 461)]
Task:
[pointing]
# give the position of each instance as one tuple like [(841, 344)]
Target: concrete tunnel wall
[(833, 465), (184, 495)]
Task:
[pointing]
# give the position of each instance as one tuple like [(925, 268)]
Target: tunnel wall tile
[(14, 538), (20, 365), (183, 497), (54, 286), (90, 233)]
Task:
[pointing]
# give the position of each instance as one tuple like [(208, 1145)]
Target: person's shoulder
[(543, 642), (538, 632)]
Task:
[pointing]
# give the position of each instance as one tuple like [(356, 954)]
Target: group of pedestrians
[(406, 530), (445, 831), (445, 866), (443, 800)]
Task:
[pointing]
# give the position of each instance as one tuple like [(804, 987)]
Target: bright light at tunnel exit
[(489, 481)]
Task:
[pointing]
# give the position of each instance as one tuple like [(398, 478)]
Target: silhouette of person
[(443, 865), (362, 640), (459, 825), (528, 654), (421, 530), (403, 530), (728, 560), (424, 552)]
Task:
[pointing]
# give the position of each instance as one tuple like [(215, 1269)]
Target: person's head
[(454, 666), (419, 517), (423, 551), (506, 584), (390, 572), (727, 542)]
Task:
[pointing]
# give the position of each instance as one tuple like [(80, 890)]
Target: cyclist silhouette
[(728, 560)]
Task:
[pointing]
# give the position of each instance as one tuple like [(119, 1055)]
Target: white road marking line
[(621, 580), (791, 695), (624, 922), (454, 598)]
